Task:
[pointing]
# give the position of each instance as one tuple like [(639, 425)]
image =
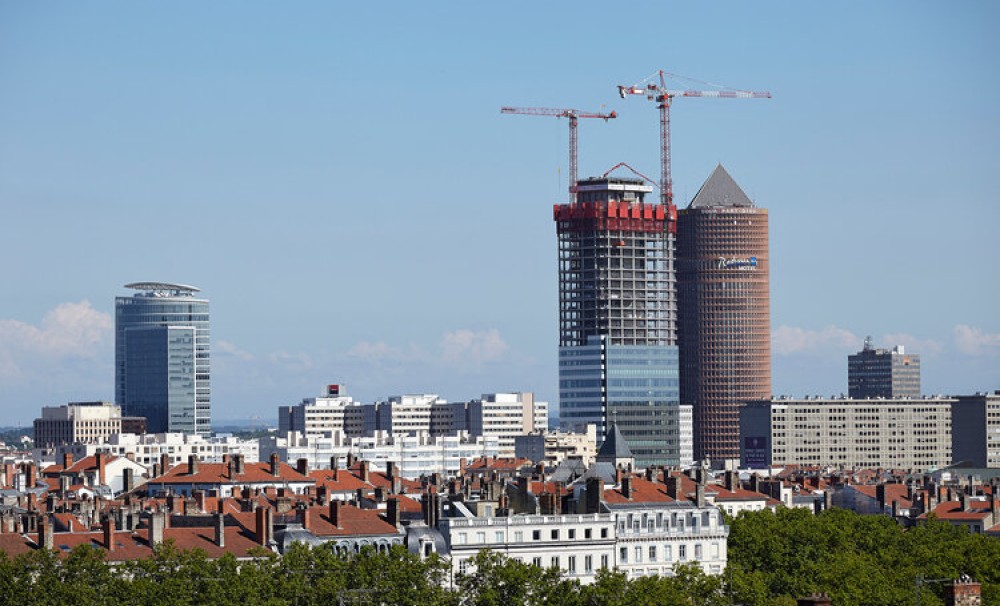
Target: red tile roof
[(218, 473)]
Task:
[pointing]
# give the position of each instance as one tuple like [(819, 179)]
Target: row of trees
[(774, 557)]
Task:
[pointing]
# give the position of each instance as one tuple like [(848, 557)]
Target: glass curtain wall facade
[(617, 318), (162, 361)]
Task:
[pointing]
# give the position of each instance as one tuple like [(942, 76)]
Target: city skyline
[(338, 162)]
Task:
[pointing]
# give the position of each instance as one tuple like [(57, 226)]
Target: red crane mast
[(663, 98), (573, 115)]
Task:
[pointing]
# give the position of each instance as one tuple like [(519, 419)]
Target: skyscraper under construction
[(618, 357), (724, 311)]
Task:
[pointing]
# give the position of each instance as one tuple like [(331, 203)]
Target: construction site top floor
[(612, 189)]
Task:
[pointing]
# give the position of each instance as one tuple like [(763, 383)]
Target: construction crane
[(663, 98), (573, 115)]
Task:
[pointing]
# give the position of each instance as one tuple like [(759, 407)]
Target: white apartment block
[(507, 415), (577, 544), (898, 433), (554, 447), (147, 449), (413, 455), (503, 415), (653, 538)]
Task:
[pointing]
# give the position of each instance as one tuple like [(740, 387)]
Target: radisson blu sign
[(748, 264)]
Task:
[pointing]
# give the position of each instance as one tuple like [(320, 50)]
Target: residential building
[(617, 317), (898, 433), (105, 474), (975, 427), (412, 455), (554, 447), (149, 449), (883, 373), (85, 422), (724, 312), (222, 479), (502, 415), (162, 364), (336, 411), (577, 544)]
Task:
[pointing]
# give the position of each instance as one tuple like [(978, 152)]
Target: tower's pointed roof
[(720, 190), (615, 447)]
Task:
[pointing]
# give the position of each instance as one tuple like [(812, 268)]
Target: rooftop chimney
[(275, 465), (157, 522), (263, 519), (392, 511), (335, 507), (128, 479), (239, 465), (109, 533), (674, 487), (192, 464), (627, 486), (363, 470), (302, 466), (164, 463), (46, 532), (67, 460), (220, 529)]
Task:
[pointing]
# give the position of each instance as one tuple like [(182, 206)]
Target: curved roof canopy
[(162, 286)]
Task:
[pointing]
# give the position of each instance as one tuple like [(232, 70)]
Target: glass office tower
[(618, 358), (162, 365)]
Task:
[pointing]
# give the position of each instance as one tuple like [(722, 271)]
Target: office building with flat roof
[(883, 373), (897, 433), (724, 312), (162, 365), (975, 422)]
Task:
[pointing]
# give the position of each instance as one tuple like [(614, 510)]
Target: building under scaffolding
[(618, 358)]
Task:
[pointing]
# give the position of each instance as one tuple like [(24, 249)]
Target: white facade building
[(147, 449), (413, 455), (577, 544)]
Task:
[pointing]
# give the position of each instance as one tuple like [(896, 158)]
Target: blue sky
[(338, 180)]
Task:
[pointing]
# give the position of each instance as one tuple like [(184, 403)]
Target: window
[(518, 536), (715, 550), (499, 536), (638, 553), (623, 555), (536, 535), (588, 563), (555, 534), (554, 562), (604, 560), (697, 551), (682, 552), (480, 538), (460, 539), (604, 533), (587, 533), (463, 566), (667, 553), (537, 561), (571, 565), (652, 553), (572, 533)]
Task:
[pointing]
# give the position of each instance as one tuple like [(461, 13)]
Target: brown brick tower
[(724, 312)]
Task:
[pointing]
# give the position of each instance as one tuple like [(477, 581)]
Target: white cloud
[(974, 342), (476, 347), (786, 340), (231, 349), (71, 329)]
